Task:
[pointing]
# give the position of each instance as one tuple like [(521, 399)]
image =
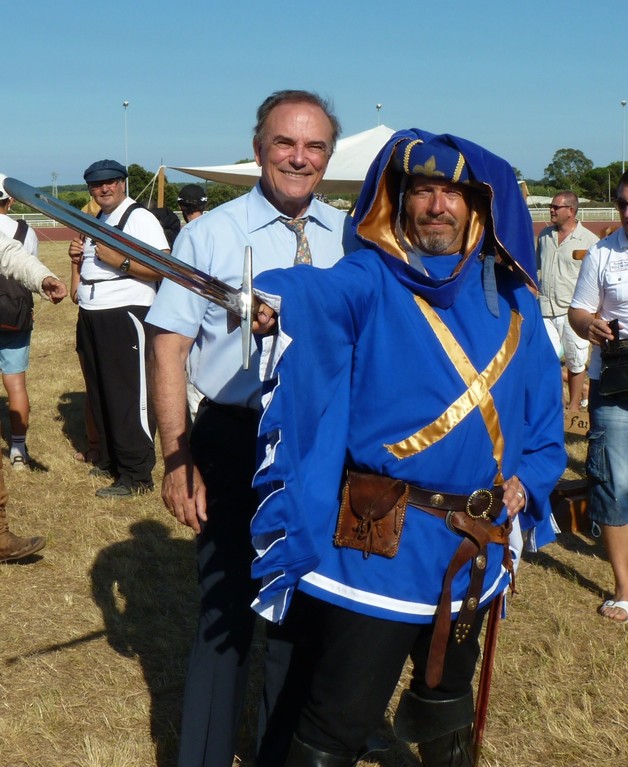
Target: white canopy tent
[(345, 172)]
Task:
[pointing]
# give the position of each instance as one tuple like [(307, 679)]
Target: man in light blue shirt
[(207, 482)]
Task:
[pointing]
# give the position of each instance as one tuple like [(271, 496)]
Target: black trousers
[(223, 443), (341, 670), (112, 343)]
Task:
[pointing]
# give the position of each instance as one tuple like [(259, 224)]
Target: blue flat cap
[(103, 170)]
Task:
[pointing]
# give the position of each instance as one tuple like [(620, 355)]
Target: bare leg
[(615, 540), (19, 406), (575, 384)]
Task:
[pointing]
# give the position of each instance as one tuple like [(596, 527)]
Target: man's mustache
[(441, 218)]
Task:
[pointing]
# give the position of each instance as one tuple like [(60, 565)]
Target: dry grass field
[(95, 632)]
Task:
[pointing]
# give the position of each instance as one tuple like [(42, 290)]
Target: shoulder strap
[(125, 216), (21, 231)]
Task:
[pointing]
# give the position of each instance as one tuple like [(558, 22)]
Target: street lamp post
[(125, 104), (623, 135)]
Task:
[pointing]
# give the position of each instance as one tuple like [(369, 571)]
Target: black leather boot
[(442, 728), (455, 749), (302, 755)]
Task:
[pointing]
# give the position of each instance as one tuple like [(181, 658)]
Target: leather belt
[(481, 504), (470, 516)]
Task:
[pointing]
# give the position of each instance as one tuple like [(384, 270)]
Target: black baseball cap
[(192, 193)]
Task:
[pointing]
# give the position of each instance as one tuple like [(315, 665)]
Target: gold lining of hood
[(378, 225)]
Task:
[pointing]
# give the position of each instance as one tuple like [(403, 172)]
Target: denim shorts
[(607, 463), (15, 349)]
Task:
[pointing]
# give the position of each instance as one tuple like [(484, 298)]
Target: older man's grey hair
[(295, 97)]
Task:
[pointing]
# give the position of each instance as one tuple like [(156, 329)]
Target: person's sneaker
[(120, 490), (20, 461)]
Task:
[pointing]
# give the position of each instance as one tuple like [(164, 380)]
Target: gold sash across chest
[(478, 392)]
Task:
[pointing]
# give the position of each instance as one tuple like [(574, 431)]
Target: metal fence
[(584, 214), (38, 220)]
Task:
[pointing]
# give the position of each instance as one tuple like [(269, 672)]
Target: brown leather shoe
[(13, 547)]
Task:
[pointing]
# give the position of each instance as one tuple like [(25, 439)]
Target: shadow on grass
[(590, 547), (72, 417), (576, 447), (146, 589)]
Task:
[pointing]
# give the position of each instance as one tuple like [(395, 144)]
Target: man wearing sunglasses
[(558, 272)]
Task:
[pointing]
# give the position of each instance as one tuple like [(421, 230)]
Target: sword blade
[(233, 300)]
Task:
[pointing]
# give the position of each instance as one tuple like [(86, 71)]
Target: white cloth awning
[(345, 172)]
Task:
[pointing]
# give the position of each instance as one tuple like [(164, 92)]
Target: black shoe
[(96, 471), (120, 490), (117, 490)]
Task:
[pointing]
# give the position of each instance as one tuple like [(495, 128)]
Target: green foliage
[(541, 190), (217, 194), (600, 184), (143, 187), (75, 199), (567, 168)]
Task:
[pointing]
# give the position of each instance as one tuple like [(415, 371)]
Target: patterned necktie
[(297, 225)]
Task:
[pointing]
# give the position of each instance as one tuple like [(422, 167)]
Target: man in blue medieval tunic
[(412, 427)]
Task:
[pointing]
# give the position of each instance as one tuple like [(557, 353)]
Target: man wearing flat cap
[(412, 427), (114, 296)]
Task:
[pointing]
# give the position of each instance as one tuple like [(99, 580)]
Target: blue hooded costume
[(441, 377)]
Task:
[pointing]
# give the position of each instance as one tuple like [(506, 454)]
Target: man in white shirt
[(114, 296), (558, 275)]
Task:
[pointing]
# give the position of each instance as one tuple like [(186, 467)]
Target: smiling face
[(293, 153), (437, 214), (108, 194)]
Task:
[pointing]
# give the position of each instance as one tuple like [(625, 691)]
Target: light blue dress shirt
[(214, 243)]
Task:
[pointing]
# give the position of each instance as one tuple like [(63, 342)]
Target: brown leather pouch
[(372, 514)]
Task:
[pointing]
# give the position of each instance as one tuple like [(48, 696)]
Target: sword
[(238, 303), (486, 675)]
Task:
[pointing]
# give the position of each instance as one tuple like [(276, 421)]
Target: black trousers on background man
[(112, 343), (223, 443)]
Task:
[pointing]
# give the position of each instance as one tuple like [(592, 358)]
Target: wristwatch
[(125, 265)]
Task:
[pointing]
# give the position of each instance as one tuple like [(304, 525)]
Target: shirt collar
[(261, 212)]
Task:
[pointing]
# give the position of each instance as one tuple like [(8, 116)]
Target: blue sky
[(521, 77)]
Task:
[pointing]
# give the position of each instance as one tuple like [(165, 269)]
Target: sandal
[(620, 604)]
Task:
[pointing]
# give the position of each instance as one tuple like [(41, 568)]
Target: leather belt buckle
[(478, 495)]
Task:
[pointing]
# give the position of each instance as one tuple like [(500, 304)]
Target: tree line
[(572, 169), (569, 169), (143, 188)]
